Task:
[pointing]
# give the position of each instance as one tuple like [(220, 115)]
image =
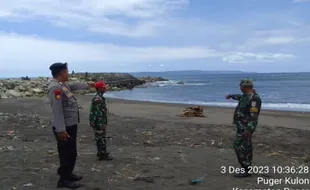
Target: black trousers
[(67, 152)]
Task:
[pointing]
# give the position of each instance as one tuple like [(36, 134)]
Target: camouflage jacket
[(98, 112), (247, 111)]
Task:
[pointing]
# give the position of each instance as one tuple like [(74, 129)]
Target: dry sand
[(148, 140)]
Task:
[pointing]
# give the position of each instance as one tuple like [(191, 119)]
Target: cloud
[(18, 50), (279, 41), (292, 38), (155, 31), (286, 40), (300, 1), (240, 57), (133, 18)]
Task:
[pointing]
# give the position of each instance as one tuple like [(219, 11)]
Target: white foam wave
[(175, 83)]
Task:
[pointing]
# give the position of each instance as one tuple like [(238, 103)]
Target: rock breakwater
[(26, 87)]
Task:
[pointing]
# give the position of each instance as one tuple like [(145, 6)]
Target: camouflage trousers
[(244, 150), (101, 143)]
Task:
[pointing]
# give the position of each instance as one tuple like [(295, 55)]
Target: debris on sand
[(275, 154), (95, 170), (196, 181), (28, 185), (145, 179), (10, 148), (196, 111)]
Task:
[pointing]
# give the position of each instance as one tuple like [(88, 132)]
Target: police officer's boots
[(105, 156), (68, 184)]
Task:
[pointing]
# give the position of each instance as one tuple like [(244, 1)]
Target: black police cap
[(58, 66)]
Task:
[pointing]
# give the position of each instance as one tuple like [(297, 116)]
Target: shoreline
[(206, 104), (214, 114)]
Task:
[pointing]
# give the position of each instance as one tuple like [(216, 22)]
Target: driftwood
[(196, 111)]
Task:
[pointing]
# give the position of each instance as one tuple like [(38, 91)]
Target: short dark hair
[(55, 73), (56, 68)]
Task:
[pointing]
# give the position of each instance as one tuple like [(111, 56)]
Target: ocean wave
[(265, 106), (175, 83)]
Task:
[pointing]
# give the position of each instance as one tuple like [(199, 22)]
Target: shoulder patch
[(254, 108), (253, 103), (57, 94)]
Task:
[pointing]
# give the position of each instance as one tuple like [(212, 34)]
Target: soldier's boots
[(105, 156), (68, 184), (243, 174)]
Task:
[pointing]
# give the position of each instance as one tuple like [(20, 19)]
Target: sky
[(154, 35)]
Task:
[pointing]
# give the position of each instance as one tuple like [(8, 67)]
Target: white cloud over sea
[(131, 35)]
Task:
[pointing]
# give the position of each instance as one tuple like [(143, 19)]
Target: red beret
[(100, 84)]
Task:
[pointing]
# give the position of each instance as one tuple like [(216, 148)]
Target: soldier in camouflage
[(98, 121), (246, 119)]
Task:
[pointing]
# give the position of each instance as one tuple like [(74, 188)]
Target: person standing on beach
[(66, 117), (246, 119), (98, 121)]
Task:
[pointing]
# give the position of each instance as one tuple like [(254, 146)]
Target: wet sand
[(148, 140)]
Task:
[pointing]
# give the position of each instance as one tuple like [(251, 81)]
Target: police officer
[(246, 120), (65, 120)]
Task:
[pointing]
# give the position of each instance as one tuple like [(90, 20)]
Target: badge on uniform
[(65, 89), (97, 101), (253, 108), (57, 94)]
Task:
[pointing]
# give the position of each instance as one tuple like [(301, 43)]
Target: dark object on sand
[(196, 111), (145, 179), (196, 181)]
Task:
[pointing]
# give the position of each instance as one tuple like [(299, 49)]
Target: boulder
[(3, 95), (9, 85), (22, 88), (14, 93), (37, 90)]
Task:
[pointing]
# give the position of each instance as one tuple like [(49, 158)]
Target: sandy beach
[(148, 140)]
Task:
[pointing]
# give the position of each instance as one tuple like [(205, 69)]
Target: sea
[(278, 91)]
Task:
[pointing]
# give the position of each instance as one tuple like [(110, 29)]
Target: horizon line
[(238, 72)]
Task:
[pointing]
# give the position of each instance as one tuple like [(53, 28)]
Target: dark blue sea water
[(279, 91)]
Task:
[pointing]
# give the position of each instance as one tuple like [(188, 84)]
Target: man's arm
[(78, 86), (234, 96), (93, 113), (252, 120), (55, 97)]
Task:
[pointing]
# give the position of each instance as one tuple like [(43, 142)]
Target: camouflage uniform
[(98, 121), (246, 119)]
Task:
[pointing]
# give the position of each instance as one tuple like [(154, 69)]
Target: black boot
[(75, 177), (243, 174), (105, 156), (68, 184)]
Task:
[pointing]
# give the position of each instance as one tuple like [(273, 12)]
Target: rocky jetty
[(26, 87), (152, 79)]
